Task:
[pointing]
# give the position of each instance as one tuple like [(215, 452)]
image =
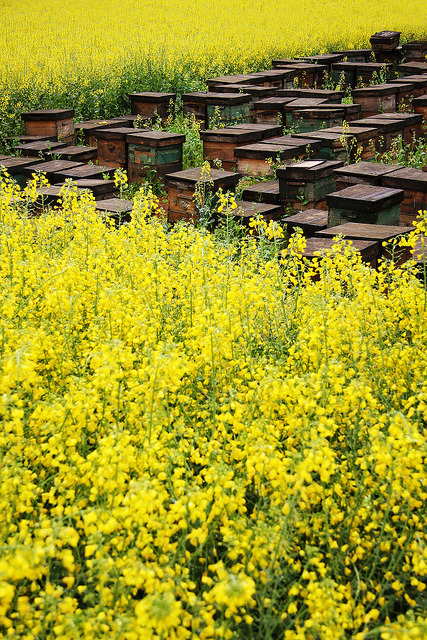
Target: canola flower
[(200, 443)]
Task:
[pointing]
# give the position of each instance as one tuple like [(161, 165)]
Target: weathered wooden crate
[(266, 192), (404, 95), (412, 125), (273, 78), (363, 173), (49, 198), (86, 171), (376, 99), (229, 107), (364, 203), (75, 153), (323, 58), (363, 142), (88, 128), (271, 110), (158, 151), (353, 73), (356, 55), (258, 158), (317, 247), (15, 167), (412, 68), (336, 145), (194, 104), (219, 144), (303, 74), (101, 189), (239, 78), (256, 91), (266, 130), (394, 56), (182, 185), (112, 146), (50, 122), (309, 221), (329, 95), (380, 233), (50, 169), (115, 209), (420, 106), (388, 130), (419, 83), (39, 148), (152, 104), (247, 210), (299, 104), (304, 185), (385, 40), (133, 120), (307, 120), (415, 51), (414, 184)]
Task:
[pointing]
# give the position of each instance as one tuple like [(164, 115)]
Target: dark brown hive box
[(76, 153), (412, 123), (266, 192), (15, 140), (182, 185), (414, 184), (194, 104), (101, 189), (356, 55), (419, 83), (307, 120), (153, 150), (420, 107), (256, 91), (415, 51), (50, 169), (48, 198), (388, 130), (309, 221), (50, 122), (323, 58), (112, 146), (92, 171), (364, 141), (364, 203), (151, 103), (230, 107), (116, 209), (89, 128), (274, 77), (39, 147), (355, 72), (330, 95), (376, 232), (380, 97), (220, 144), (304, 185), (363, 173), (267, 130), (271, 110), (404, 94), (369, 250), (247, 210), (241, 78), (385, 40), (15, 167), (335, 145), (411, 68), (254, 158)]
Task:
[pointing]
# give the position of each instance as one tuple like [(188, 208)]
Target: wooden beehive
[(112, 146), (308, 120), (336, 145), (101, 189), (326, 59), (420, 106), (412, 125), (415, 51), (15, 167), (158, 151), (266, 130), (229, 107), (364, 203), (39, 148), (240, 78), (304, 185), (266, 192), (247, 210), (271, 110), (219, 144), (394, 56), (389, 130), (49, 198), (274, 78), (404, 95), (414, 184), (329, 95), (182, 185), (14, 141), (385, 40), (75, 153), (309, 221), (87, 129), (50, 122), (353, 73), (115, 209), (317, 247), (376, 99), (256, 91), (258, 158), (152, 103), (356, 55), (412, 68), (419, 83), (363, 173), (50, 169), (380, 233), (86, 171), (363, 143)]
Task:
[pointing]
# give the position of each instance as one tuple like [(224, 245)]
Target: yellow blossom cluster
[(200, 443)]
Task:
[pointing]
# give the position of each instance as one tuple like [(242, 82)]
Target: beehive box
[(182, 185), (75, 153), (158, 151), (87, 129), (329, 95), (273, 78), (229, 107), (220, 144), (363, 173), (415, 51), (307, 120), (115, 209), (194, 104), (381, 233), (419, 83), (270, 110), (247, 210), (363, 142), (317, 247), (420, 106), (15, 167), (152, 103), (412, 68), (412, 123), (13, 141), (385, 40), (376, 99), (49, 198), (256, 91), (86, 171), (267, 131), (353, 73), (366, 204), (39, 148), (112, 146), (394, 56), (404, 95), (101, 189), (266, 192), (50, 122), (333, 145), (258, 158), (389, 130), (309, 221), (414, 184), (50, 169), (356, 55), (304, 185), (323, 58), (239, 78)]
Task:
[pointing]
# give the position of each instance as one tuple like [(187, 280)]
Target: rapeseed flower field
[(199, 441)]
